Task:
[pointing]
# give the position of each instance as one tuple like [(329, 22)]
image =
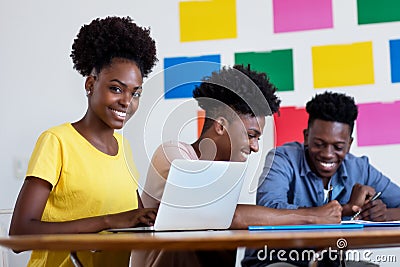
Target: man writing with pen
[(321, 170)]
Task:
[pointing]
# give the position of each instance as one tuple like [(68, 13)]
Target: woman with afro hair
[(81, 177)]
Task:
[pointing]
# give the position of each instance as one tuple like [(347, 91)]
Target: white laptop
[(198, 195)]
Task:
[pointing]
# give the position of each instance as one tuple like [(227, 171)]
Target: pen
[(375, 197), (330, 193)]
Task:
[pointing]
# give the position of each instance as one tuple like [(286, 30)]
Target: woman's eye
[(116, 89)]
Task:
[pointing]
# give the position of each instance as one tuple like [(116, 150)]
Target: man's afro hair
[(336, 107), (242, 89)]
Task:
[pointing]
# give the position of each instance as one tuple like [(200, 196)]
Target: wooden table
[(356, 238)]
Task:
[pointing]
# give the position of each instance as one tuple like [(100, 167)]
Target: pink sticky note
[(378, 124), (300, 15)]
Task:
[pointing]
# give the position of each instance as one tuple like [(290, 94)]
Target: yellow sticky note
[(343, 65), (207, 20)]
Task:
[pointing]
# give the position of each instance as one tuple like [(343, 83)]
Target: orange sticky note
[(201, 116)]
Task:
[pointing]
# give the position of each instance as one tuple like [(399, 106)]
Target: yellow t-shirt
[(86, 182)]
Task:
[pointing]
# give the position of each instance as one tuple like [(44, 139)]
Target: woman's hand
[(132, 218)]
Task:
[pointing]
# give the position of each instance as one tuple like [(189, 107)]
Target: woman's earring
[(88, 93)]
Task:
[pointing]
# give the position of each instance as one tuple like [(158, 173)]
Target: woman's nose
[(126, 99)]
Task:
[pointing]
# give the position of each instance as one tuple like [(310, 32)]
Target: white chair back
[(5, 218)]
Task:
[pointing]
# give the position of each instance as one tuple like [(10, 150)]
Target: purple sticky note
[(378, 124), (301, 15)]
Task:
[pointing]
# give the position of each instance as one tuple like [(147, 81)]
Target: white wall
[(39, 88)]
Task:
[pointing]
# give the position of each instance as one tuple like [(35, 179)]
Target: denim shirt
[(289, 183)]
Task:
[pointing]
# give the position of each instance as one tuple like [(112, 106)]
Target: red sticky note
[(290, 124)]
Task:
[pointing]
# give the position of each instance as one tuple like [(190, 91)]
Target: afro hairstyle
[(243, 90), (112, 37), (336, 107)]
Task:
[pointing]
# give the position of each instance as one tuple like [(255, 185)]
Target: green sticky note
[(376, 11), (277, 64)]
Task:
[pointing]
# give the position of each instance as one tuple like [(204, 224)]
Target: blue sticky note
[(182, 74), (395, 60)]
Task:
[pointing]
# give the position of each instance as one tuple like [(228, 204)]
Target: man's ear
[(351, 142), (305, 136), (219, 125)]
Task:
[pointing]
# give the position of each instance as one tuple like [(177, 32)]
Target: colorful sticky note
[(201, 117), (289, 125), (395, 60), (207, 20), (378, 124), (182, 74), (375, 11), (343, 65), (277, 64), (300, 15)]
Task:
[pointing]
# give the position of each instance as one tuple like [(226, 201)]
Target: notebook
[(305, 227), (198, 195), (373, 224)]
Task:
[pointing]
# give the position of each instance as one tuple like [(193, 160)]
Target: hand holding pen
[(374, 197)]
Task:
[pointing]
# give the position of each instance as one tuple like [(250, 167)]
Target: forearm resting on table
[(87, 225), (246, 215)]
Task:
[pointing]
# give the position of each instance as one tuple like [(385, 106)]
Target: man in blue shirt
[(301, 176)]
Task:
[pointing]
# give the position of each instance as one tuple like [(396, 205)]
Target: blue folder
[(305, 227)]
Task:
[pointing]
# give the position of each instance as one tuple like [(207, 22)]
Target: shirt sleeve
[(46, 160), (376, 179), (274, 183), (158, 172)]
